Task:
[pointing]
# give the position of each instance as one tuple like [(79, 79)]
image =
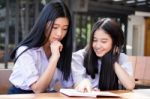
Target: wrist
[(54, 58)]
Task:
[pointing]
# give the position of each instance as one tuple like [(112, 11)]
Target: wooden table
[(125, 95)]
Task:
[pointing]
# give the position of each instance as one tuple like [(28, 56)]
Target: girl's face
[(59, 29), (102, 43)]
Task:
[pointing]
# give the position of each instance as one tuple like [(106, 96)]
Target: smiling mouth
[(98, 51)]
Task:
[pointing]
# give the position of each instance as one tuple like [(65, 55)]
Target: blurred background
[(18, 16)]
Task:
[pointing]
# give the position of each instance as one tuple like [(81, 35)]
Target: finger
[(81, 89), (78, 88), (59, 45), (60, 48), (88, 88)]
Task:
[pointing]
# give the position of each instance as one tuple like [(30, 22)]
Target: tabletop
[(137, 94)]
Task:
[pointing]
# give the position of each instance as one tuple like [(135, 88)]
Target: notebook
[(73, 93)]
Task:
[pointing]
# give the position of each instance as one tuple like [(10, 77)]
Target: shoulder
[(80, 53), (123, 57), (21, 49), (125, 63), (31, 51)]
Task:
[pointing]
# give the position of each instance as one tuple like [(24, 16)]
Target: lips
[(98, 51)]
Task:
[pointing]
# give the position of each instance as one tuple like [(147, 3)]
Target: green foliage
[(2, 3), (83, 34)]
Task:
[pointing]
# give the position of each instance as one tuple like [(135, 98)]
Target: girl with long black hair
[(101, 65), (43, 58)]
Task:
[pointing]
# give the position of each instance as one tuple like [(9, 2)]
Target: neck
[(47, 50)]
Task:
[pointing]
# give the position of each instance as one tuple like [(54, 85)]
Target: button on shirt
[(79, 71), (30, 66)]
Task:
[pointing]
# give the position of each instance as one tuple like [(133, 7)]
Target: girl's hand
[(56, 47), (84, 86)]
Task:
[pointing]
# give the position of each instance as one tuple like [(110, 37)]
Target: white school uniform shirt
[(79, 71), (30, 66)]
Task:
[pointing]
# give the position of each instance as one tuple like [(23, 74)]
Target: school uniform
[(79, 71), (30, 66)]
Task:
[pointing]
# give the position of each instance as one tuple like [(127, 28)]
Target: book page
[(142, 91), (73, 92)]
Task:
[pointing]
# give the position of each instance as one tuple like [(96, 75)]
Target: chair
[(4, 80)]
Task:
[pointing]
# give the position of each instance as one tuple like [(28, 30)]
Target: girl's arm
[(126, 80), (81, 82), (43, 82)]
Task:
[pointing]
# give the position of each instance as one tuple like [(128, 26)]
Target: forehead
[(100, 33), (61, 21)]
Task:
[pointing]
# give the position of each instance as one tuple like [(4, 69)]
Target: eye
[(55, 27), (65, 29), (104, 41)]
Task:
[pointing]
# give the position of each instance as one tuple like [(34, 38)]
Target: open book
[(142, 91), (73, 92)]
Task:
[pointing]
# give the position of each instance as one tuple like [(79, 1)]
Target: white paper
[(73, 92), (145, 92)]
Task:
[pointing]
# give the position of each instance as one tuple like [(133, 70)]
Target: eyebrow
[(64, 25), (104, 39)]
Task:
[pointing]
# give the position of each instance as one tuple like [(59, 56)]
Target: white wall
[(135, 36)]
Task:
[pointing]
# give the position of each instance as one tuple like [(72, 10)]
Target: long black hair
[(108, 80), (37, 38)]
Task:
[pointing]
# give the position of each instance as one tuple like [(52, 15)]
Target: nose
[(59, 33), (98, 45)]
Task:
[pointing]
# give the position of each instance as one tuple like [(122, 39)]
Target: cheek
[(47, 34), (93, 45), (108, 47), (63, 35), (52, 34), (50, 37)]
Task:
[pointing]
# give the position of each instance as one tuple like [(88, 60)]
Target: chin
[(100, 55)]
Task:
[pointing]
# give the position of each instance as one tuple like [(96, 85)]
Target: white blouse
[(79, 71), (30, 66)]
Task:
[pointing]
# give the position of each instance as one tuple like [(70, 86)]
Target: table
[(124, 95)]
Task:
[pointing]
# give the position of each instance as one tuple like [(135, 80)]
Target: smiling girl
[(101, 65)]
